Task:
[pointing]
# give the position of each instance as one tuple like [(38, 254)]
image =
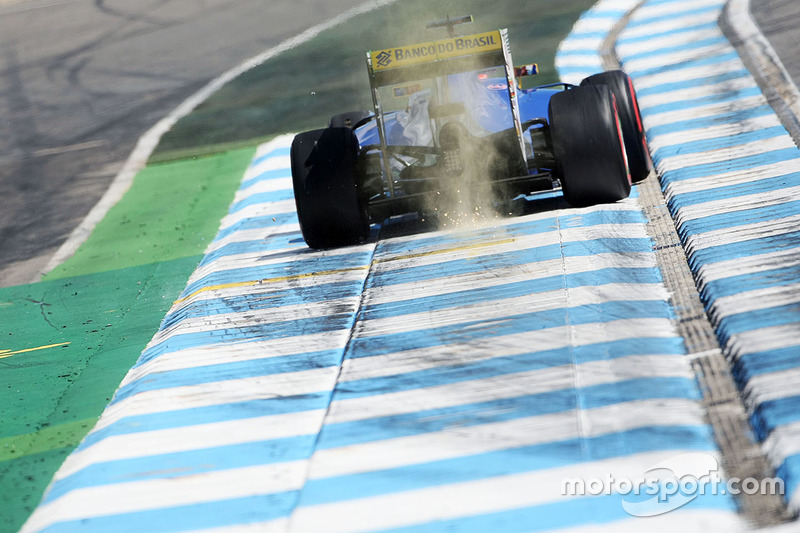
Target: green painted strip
[(171, 211), (67, 435), (67, 342)]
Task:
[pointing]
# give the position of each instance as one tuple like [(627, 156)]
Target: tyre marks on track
[(439, 380)]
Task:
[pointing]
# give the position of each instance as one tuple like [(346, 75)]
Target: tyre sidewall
[(587, 146), (621, 87), (328, 196)]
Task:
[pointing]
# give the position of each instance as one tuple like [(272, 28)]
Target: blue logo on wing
[(384, 58)]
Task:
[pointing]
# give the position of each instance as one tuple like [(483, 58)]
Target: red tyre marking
[(635, 105), (621, 140), (639, 124)]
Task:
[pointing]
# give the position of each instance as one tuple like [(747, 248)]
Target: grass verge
[(67, 342)]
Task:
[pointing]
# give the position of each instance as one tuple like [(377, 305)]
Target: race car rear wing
[(435, 59)]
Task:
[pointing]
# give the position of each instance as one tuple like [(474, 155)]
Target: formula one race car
[(453, 132)]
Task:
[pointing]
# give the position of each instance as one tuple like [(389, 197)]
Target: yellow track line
[(9, 353), (340, 270)]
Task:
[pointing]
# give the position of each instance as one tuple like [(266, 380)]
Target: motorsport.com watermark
[(670, 484)]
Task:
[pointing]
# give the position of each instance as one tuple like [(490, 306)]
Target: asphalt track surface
[(779, 21), (82, 80)]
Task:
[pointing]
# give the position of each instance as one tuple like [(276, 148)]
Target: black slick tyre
[(327, 192), (588, 148), (621, 86)]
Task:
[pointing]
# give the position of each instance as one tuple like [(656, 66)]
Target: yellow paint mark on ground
[(9, 353), (253, 283), (268, 280)]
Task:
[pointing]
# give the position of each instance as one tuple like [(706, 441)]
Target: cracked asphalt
[(82, 80)]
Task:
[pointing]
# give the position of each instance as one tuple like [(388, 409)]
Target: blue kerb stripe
[(725, 118), (209, 414), (263, 198), (267, 175), (781, 315), (275, 406), (763, 185), (789, 471), (651, 36), (506, 409), (479, 370), (739, 218), (689, 63), (487, 368), (579, 52), (508, 259), (772, 414), (231, 512), (583, 71), (267, 366), (448, 375), (500, 292), (716, 98), (601, 35), (614, 14), (691, 45), (273, 330), (269, 298), (672, 16), (306, 262), (775, 360), (343, 320), (276, 152), (526, 227), (505, 462), (192, 462), (764, 279), (292, 243), (268, 221), (673, 86), (607, 245), (729, 165), (462, 239), (477, 329), (755, 246), (186, 463), (728, 141)]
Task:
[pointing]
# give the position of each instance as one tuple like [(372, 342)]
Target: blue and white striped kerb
[(579, 55), (731, 176), (438, 381)]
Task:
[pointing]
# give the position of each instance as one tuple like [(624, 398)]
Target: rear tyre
[(621, 87), (588, 148), (327, 192)]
